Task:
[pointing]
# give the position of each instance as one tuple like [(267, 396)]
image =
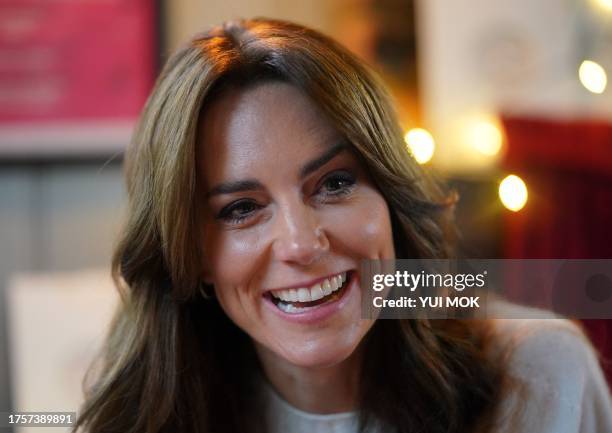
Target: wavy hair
[(174, 362)]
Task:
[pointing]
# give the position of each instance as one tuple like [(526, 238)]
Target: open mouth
[(294, 301)]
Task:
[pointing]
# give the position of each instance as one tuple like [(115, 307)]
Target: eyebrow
[(235, 186), (319, 162), (254, 185)]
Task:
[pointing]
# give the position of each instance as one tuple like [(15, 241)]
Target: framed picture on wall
[(73, 75)]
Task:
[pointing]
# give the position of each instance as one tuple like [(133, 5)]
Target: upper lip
[(307, 284)]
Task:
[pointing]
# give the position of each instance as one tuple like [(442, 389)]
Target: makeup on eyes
[(331, 187), (339, 176)]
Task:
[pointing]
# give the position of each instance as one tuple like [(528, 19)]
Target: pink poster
[(68, 65)]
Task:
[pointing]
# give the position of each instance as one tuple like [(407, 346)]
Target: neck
[(321, 390)]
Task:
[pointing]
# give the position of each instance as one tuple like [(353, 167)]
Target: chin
[(320, 353)]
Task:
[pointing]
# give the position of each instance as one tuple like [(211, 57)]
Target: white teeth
[(316, 292), (290, 308), (333, 284), (303, 294), (284, 295), (327, 288)]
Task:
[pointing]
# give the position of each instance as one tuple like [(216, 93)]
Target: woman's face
[(289, 214)]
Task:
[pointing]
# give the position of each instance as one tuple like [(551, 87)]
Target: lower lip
[(318, 313)]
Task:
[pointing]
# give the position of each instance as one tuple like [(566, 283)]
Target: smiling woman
[(290, 213), (266, 165)]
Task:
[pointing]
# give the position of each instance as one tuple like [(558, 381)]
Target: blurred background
[(507, 100)]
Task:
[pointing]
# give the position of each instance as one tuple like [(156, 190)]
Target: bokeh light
[(592, 76), (603, 4), (486, 136), (421, 144), (513, 193)]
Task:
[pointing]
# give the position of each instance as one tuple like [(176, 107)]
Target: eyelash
[(227, 214), (343, 176)]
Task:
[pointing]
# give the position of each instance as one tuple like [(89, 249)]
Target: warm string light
[(513, 192), (421, 144), (593, 76), (486, 136), (603, 4)]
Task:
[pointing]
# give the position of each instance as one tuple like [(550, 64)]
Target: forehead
[(262, 127)]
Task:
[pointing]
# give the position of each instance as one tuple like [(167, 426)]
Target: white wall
[(508, 56)]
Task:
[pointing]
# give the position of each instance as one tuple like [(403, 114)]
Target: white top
[(564, 387), (281, 417)]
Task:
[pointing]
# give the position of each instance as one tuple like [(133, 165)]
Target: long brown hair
[(173, 361)]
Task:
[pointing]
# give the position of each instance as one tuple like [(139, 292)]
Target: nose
[(300, 238)]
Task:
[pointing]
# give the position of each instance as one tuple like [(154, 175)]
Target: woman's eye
[(338, 184), (238, 211)]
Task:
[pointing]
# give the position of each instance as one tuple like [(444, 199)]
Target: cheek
[(232, 263), (376, 227), (364, 227)]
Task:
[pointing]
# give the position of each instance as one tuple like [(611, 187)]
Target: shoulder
[(560, 385)]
